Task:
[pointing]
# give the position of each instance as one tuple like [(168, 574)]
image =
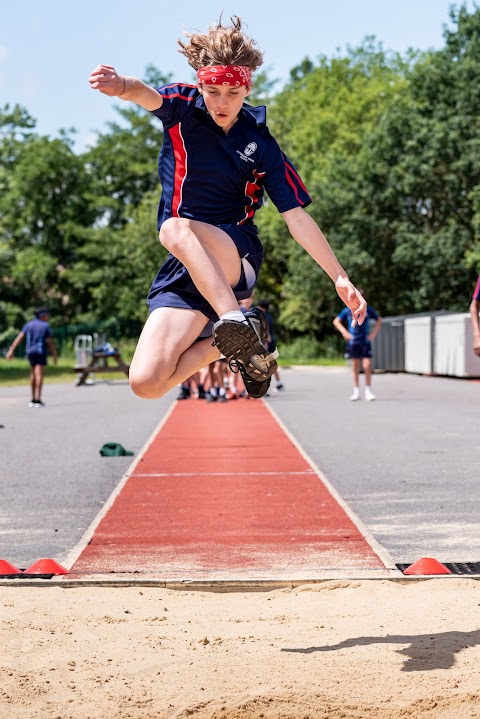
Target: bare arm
[(307, 233), (14, 345), (474, 310), (106, 80), (376, 329), (337, 323), (53, 349)]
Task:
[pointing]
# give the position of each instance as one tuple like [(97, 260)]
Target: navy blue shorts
[(37, 358), (358, 351), (173, 286)]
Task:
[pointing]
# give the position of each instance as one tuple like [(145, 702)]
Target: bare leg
[(209, 255), (278, 380), (33, 382), (38, 381), (212, 374), (167, 353), (216, 370), (205, 377), (356, 372), (367, 368), (222, 374), (238, 383), (195, 378)]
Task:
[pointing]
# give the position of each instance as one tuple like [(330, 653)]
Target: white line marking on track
[(224, 474), (88, 534), (369, 538)]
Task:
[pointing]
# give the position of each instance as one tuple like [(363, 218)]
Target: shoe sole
[(253, 388), (256, 389), (239, 341)]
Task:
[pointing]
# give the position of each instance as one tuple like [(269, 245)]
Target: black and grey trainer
[(242, 342), (254, 388), (260, 323)]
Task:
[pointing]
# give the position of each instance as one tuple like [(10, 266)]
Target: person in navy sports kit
[(38, 338), (217, 160), (359, 347), (474, 310)]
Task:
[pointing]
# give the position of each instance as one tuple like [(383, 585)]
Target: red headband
[(233, 75)]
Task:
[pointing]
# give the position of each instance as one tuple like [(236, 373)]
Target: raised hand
[(351, 297), (106, 79)]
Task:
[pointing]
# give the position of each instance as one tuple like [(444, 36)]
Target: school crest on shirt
[(249, 150)]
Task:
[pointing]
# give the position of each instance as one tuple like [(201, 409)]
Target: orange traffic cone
[(427, 565), (46, 566), (7, 568)]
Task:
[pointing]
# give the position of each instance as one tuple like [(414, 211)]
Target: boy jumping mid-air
[(217, 160)]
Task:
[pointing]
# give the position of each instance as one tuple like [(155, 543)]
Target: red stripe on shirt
[(295, 174), (176, 94), (180, 171), (182, 84), (476, 294), (250, 189), (292, 184)]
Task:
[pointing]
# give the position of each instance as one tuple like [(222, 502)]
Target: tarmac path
[(406, 465), (53, 481)]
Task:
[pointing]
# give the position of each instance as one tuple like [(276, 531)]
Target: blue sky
[(47, 49)]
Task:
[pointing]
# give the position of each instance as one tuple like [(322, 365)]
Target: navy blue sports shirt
[(209, 176), (359, 332), (36, 332)]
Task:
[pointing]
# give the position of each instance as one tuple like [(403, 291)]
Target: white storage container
[(454, 355), (418, 344)]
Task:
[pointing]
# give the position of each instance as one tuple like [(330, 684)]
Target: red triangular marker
[(7, 568), (427, 565), (46, 566)]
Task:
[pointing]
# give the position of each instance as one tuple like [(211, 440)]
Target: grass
[(317, 362), (16, 372)]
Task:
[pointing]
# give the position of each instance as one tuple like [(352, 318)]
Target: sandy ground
[(346, 649)]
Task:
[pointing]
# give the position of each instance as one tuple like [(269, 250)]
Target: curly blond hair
[(222, 45)]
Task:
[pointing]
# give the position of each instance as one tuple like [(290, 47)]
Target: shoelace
[(234, 366)]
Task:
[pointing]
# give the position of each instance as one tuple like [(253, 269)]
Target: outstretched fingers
[(358, 307), (353, 299)]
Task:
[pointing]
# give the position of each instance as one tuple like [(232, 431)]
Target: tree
[(420, 170), (122, 166), (115, 267), (321, 120)]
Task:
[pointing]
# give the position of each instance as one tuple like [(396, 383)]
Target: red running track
[(223, 492)]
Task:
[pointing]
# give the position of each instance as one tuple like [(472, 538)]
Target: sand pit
[(349, 649)]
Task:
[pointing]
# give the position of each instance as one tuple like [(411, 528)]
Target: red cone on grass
[(46, 566), (427, 565), (7, 568)]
